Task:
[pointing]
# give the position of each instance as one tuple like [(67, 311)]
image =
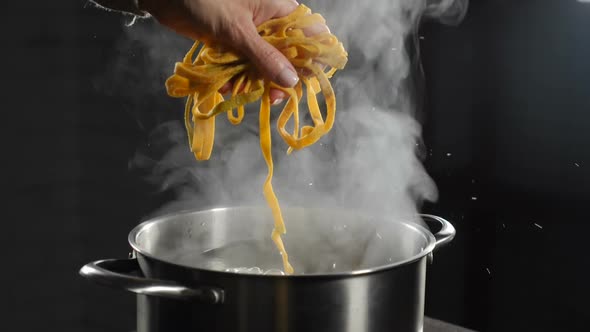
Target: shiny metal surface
[(119, 273), (376, 285), (385, 301), (319, 241), (445, 234)]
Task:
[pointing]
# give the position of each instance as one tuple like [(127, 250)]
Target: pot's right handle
[(118, 273), (445, 234)]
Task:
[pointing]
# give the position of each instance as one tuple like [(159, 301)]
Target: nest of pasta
[(316, 58)]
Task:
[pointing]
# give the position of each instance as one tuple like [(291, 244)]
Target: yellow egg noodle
[(200, 80)]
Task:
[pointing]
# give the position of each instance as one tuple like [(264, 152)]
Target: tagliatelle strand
[(200, 79)]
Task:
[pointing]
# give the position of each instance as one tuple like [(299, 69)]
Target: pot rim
[(165, 217)]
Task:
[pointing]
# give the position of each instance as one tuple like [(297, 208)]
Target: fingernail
[(287, 78), (277, 101)]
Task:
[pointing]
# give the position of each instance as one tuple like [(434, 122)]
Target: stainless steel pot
[(355, 273)]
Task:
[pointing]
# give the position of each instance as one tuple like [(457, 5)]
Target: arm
[(232, 22)]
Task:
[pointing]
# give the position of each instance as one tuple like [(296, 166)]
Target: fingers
[(270, 61), (284, 7), (280, 8), (277, 96), (274, 9), (226, 88), (316, 29)]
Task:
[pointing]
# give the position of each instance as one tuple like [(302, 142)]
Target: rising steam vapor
[(367, 162)]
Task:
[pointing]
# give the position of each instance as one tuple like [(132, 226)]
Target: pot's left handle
[(118, 273)]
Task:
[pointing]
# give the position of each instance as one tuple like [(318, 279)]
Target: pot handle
[(119, 273), (446, 232)]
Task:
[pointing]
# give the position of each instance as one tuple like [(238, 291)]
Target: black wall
[(507, 96)]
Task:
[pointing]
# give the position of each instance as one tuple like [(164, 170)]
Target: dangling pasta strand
[(200, 79)]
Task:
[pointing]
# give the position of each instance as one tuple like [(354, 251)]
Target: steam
[(367, 162)]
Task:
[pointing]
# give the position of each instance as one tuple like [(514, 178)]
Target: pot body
[(354, 272), (389, 300)]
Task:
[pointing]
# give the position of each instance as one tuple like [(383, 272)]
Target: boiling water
[(320, 253), (255, 270), (262, 257), (249, 257)]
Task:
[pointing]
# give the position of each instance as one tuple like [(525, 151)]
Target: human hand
[(232, 23)]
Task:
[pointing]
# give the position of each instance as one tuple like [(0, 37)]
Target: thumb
[(270, 61)]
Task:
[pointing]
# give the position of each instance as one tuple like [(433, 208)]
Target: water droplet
[(132, 21), (489, 272), (537, 225), (390, 259), (394, 49), (339, 228), (473, 198), (504, 226), (422, 37), (576, 164), (255, 270), (276, 272), (449, 154), (311, 184), (203, 223), (379, 236), (334, 266)]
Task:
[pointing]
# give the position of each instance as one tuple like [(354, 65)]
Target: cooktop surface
[(435, 325)]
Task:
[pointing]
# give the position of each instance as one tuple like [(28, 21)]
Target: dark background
[(507, 93)]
